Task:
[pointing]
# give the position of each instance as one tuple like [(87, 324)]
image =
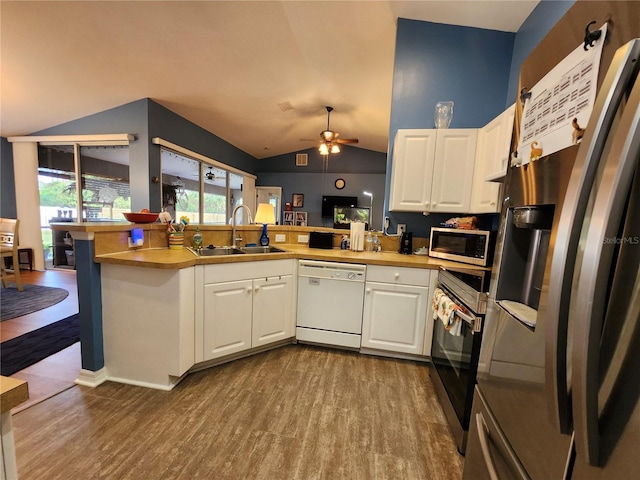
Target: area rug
[(15, 303), (20, 352)]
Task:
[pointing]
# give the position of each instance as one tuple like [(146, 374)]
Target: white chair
[(9, 248)]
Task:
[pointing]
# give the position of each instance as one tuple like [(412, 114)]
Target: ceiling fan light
[(335, 148), (327, 135), (324, 150)]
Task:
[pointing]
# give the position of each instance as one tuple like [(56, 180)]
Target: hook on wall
[(525, 94), (590, 37)]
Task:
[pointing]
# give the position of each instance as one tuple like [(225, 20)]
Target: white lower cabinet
[(245, 313), (395, 309), (228, 318), (272, 310)]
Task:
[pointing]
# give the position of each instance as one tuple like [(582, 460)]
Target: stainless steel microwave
[(458, 245)]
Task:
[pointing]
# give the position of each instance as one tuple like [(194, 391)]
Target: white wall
[(25, 165)]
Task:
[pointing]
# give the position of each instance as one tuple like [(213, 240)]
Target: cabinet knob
[(368, 290), (396, 276), (257, 289), (249, 290)]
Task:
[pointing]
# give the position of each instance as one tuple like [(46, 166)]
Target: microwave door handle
[(589, 305), (556, 309)]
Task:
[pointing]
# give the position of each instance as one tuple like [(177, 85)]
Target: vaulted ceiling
[(256, 73)]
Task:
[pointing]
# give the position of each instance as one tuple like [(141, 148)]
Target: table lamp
[(265, 214)]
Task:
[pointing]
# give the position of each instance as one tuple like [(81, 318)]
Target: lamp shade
[(265, 214)]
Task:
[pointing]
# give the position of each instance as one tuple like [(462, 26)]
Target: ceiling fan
[(210, 175), (329, 141)]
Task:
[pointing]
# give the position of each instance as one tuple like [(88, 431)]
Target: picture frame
[(289, 218), (298, 200), (301, 219)]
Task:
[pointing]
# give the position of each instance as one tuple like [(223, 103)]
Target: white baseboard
[(91, 379)]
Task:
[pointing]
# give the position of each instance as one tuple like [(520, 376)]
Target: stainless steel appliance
[(455, 357), (557, 394), (459, 245), (330, 303)]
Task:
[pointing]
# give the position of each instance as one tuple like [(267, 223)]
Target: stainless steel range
[(455, 351)]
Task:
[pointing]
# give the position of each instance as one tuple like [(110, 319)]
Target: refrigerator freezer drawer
[(488, 454)]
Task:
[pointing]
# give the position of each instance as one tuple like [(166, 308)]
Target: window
[(187, 177)]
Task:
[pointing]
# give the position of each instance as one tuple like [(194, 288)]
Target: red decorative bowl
[(137, 217)]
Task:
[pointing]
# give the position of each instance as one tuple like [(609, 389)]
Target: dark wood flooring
[(297, 412)]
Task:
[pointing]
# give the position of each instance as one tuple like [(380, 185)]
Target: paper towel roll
[(357, 236)]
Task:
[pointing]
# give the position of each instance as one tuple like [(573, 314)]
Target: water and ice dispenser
[(524, 256)]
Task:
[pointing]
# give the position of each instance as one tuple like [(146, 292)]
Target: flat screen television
[(330, 201)]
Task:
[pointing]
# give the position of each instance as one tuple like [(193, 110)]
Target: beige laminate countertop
[(165, 258)]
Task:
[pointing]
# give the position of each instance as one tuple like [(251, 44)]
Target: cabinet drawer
[(230, 272), (400, 275)]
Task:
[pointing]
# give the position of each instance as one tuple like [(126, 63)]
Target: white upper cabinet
[(496, 151), (492, 160), (485, 196), (432, 170), (413, 157), (453, 170)]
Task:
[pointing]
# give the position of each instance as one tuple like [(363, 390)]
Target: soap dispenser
[(197, 239)]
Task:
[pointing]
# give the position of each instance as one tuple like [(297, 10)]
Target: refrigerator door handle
[(556, 309), (483, 436), (589, 306)]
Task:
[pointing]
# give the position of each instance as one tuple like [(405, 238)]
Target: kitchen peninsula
[(150, 315)]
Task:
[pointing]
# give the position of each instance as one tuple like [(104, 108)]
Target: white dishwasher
[(330, 303)]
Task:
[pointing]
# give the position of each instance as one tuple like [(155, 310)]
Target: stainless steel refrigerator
[(558, 393)]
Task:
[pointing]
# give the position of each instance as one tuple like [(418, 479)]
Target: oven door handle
[(474, 322)]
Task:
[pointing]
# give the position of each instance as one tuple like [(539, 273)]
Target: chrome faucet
[(233, 223)]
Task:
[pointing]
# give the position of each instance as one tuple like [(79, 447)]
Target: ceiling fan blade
[(347, 140)]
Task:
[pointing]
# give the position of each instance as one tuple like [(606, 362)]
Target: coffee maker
[(406, 243)]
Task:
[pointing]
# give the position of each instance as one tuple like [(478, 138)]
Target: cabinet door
[(394, 317), (412, 170), (499, 145), (453, 170), (485, 194), (227, 318), (272, 310)]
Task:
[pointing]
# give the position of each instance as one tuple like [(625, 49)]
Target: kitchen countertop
[(165, 258)]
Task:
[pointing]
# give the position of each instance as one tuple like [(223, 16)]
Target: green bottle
[(197, 239)]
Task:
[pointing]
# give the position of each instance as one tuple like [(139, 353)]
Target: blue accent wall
[(361, 169), (7, 181), (535, 27), (172, 127), (350, 159)]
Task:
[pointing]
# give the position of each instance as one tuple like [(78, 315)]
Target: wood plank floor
[(57, 372), (297, 412)]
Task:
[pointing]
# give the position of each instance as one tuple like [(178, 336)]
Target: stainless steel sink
[(210, 252), (261, 249)]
